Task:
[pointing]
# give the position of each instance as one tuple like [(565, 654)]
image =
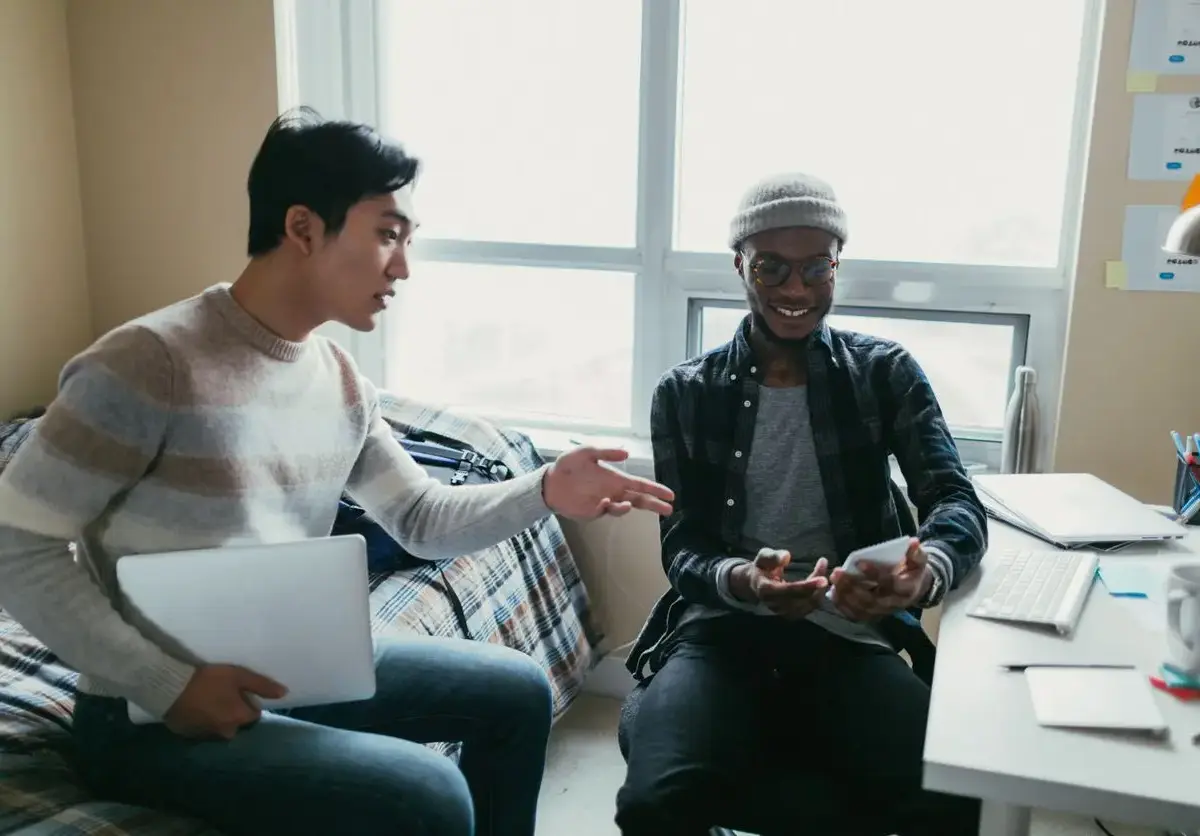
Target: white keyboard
[(1035, 587)]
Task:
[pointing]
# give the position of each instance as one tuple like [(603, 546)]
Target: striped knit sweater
[(193, 427)]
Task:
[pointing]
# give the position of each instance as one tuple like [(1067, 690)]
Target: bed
[(525, 593)]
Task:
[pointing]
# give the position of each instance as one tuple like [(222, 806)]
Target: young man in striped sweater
[(223, 419)]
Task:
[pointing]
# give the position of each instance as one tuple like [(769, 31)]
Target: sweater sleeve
[(429, 519), (96, 440)]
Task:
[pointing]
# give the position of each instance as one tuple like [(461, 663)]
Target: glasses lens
[(771, 270), (817, 270)]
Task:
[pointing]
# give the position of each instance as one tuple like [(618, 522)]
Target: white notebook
[(1095, 698)]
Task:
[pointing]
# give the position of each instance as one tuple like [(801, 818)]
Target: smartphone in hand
[(887, 553)]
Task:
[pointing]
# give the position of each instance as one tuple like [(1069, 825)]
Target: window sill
[(553, 443)]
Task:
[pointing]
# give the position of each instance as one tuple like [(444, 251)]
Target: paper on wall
[(1147, 266), (1164, 142), (1166, 37)]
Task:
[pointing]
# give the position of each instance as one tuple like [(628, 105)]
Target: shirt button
[(754, 370), (745, 403), (737, 454), (733, 377), (729, 502)]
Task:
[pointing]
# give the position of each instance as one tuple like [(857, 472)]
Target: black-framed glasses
[(773, 270)]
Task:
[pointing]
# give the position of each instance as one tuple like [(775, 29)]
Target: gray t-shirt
[(785, 503)]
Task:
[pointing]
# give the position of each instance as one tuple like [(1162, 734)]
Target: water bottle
[(1018, 450)]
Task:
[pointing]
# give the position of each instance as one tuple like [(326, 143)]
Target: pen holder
[(1185, 489)]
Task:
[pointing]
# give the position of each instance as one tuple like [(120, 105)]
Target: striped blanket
[(525, 593)]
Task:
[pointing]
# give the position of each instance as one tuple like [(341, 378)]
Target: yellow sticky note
[(1116, 275), (1141, 82)]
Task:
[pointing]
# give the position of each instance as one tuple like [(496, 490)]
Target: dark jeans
[(782, 729), (353, 767)]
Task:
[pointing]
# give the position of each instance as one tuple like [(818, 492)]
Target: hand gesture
[(762, 582), (882, 590), (217, 701), (582, 485)]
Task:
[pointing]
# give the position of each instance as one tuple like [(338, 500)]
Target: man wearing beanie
[(772, 696)]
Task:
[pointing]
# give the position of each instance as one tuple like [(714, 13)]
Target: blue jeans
[(352, 767)]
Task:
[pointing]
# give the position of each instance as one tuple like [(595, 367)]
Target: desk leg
[(996, 819)]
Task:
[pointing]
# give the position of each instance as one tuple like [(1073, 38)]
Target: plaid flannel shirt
[(868, 398)]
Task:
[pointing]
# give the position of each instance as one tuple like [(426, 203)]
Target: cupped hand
[(583, 485), (762, 581)]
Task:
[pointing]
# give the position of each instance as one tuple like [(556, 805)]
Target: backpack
[(452, 463)]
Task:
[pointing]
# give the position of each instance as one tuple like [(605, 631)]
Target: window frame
[(976, 444), (327, 57)]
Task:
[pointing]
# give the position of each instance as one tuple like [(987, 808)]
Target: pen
[(1022, 666), (1193, 466), (1178, 444), (1189, 510)]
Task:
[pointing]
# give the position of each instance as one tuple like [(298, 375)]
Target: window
[(583, 159), (969, 360), (514, 152), (943, 146), (517, 341)]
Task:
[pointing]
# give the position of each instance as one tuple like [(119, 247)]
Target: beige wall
[(172, 98), (622, 568), (44, 313), (1129, 355)]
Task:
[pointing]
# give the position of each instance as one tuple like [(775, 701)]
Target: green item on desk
[(1125, 580), (1175, 678)]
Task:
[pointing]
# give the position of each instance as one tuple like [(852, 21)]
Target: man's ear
[(737, 262), (303, 227)]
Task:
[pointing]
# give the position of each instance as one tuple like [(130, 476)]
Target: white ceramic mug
[(1183, 617)]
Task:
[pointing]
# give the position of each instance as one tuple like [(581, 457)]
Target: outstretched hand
[(882, 590), (582, 485)]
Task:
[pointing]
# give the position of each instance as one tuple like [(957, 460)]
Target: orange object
[(1192, 197)]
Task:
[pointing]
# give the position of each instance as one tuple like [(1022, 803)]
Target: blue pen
[(1189, 510), (1178, 444)]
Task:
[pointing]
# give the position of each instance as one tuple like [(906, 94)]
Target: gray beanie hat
[(784, 200)]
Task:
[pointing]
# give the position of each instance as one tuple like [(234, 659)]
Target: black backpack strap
[(460, 614)]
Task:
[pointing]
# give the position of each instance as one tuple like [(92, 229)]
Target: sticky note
[(1116, 275), (1126, 580), (1141, 82)]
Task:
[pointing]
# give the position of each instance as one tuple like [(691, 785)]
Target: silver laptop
[(295, 612), (1072, 509)]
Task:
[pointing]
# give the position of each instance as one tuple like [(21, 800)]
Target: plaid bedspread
[(525, 593)]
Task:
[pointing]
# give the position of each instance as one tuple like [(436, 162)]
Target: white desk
[(983, 741)]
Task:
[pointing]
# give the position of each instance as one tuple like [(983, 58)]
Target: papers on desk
[(1126, 580), (1095, 699)]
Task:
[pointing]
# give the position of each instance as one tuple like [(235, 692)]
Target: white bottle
[(1018, 449)]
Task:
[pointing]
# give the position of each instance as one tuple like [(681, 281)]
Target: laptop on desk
[(1072, 510)]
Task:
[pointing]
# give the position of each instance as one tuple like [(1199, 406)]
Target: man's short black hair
[(325, 165)]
